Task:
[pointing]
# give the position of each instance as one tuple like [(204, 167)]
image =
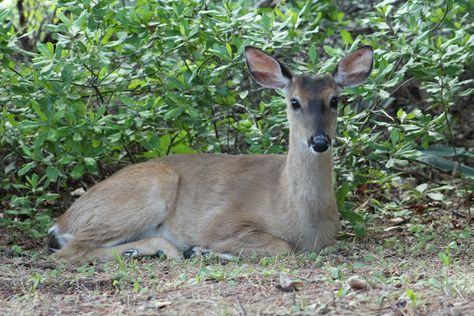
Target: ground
[(412, 265)]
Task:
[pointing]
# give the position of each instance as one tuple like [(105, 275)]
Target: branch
[(24, 40)]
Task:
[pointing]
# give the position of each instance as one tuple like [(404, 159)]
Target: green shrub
[(99, 84)]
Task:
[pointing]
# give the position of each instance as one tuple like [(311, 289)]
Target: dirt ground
[(402, 267)]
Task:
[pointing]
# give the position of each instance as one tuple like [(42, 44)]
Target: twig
[(418, 174), (129, 154), (442, 19), (214, 122), (168, 150), (38, 34), (98, 94), (24, 40), (244, 312), (101, 170), (371, 110)]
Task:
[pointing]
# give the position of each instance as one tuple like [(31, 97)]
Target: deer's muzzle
[(319, 143)]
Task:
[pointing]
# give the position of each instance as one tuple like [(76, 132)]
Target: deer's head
[(312, 100)]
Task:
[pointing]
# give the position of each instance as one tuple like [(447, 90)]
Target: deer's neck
[(311, 195), (310, 176)]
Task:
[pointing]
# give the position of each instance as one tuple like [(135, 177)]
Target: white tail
[(267, 204)]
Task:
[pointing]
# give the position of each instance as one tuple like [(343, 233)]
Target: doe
[(236, 205)]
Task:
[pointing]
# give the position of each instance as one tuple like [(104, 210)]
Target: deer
[(235, 205)]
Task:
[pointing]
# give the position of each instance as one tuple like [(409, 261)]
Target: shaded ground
[(406, 266)]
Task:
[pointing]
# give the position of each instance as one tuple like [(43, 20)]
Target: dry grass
[(400, 267)]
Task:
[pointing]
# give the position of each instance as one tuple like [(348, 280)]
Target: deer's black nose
[(320, 143)]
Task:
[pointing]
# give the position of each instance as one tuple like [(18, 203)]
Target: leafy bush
[(88, 86)]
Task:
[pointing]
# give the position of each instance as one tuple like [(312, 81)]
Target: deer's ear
[(355, 68), (266, 70)]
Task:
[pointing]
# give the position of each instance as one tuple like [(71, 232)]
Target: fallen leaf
[(456, 224), (436, 196), (362, 188), (422, 187), (398, 220), (388, 229), (418, 208)]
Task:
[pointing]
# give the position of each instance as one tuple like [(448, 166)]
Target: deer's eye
[(333, 103), (295, 104)]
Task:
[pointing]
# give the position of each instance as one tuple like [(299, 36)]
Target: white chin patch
[(314, 152)]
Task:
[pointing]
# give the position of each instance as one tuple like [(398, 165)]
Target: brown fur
[(268, 204)]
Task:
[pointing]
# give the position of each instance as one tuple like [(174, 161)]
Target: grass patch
[(417, 269)]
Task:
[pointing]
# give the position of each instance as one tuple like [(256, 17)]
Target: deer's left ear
[(355, 68), (266, 70)]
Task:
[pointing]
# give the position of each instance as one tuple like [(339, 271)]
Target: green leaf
[(26, 168), (173, 113), (4, 13), (445, 151), (384, 94), (37, 108), (341, 195), (394, 136), (359, 229), (50, 48), (444, 258), (52, 173), (229, 50), (346, 37), (77, 171), (352, 217), (102, 73), (90, 162), (446, 165), (330, 51), (450, 5), (67, 74), (312, 54), (77, 137)]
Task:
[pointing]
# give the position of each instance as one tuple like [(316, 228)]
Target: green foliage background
[(88, 86)]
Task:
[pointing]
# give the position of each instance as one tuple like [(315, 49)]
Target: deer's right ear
[(266, 70), (355, 68)]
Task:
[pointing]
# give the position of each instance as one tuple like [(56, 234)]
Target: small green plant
[(414, 301), (267, 261), (336, 272), (35, 281), (445, 257), (343, 291), (87, 269), (17, 249)]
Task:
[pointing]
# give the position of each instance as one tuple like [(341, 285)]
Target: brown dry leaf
[(288, 285), (362, 188), (398, 220), (418, 208), (388, 229)]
